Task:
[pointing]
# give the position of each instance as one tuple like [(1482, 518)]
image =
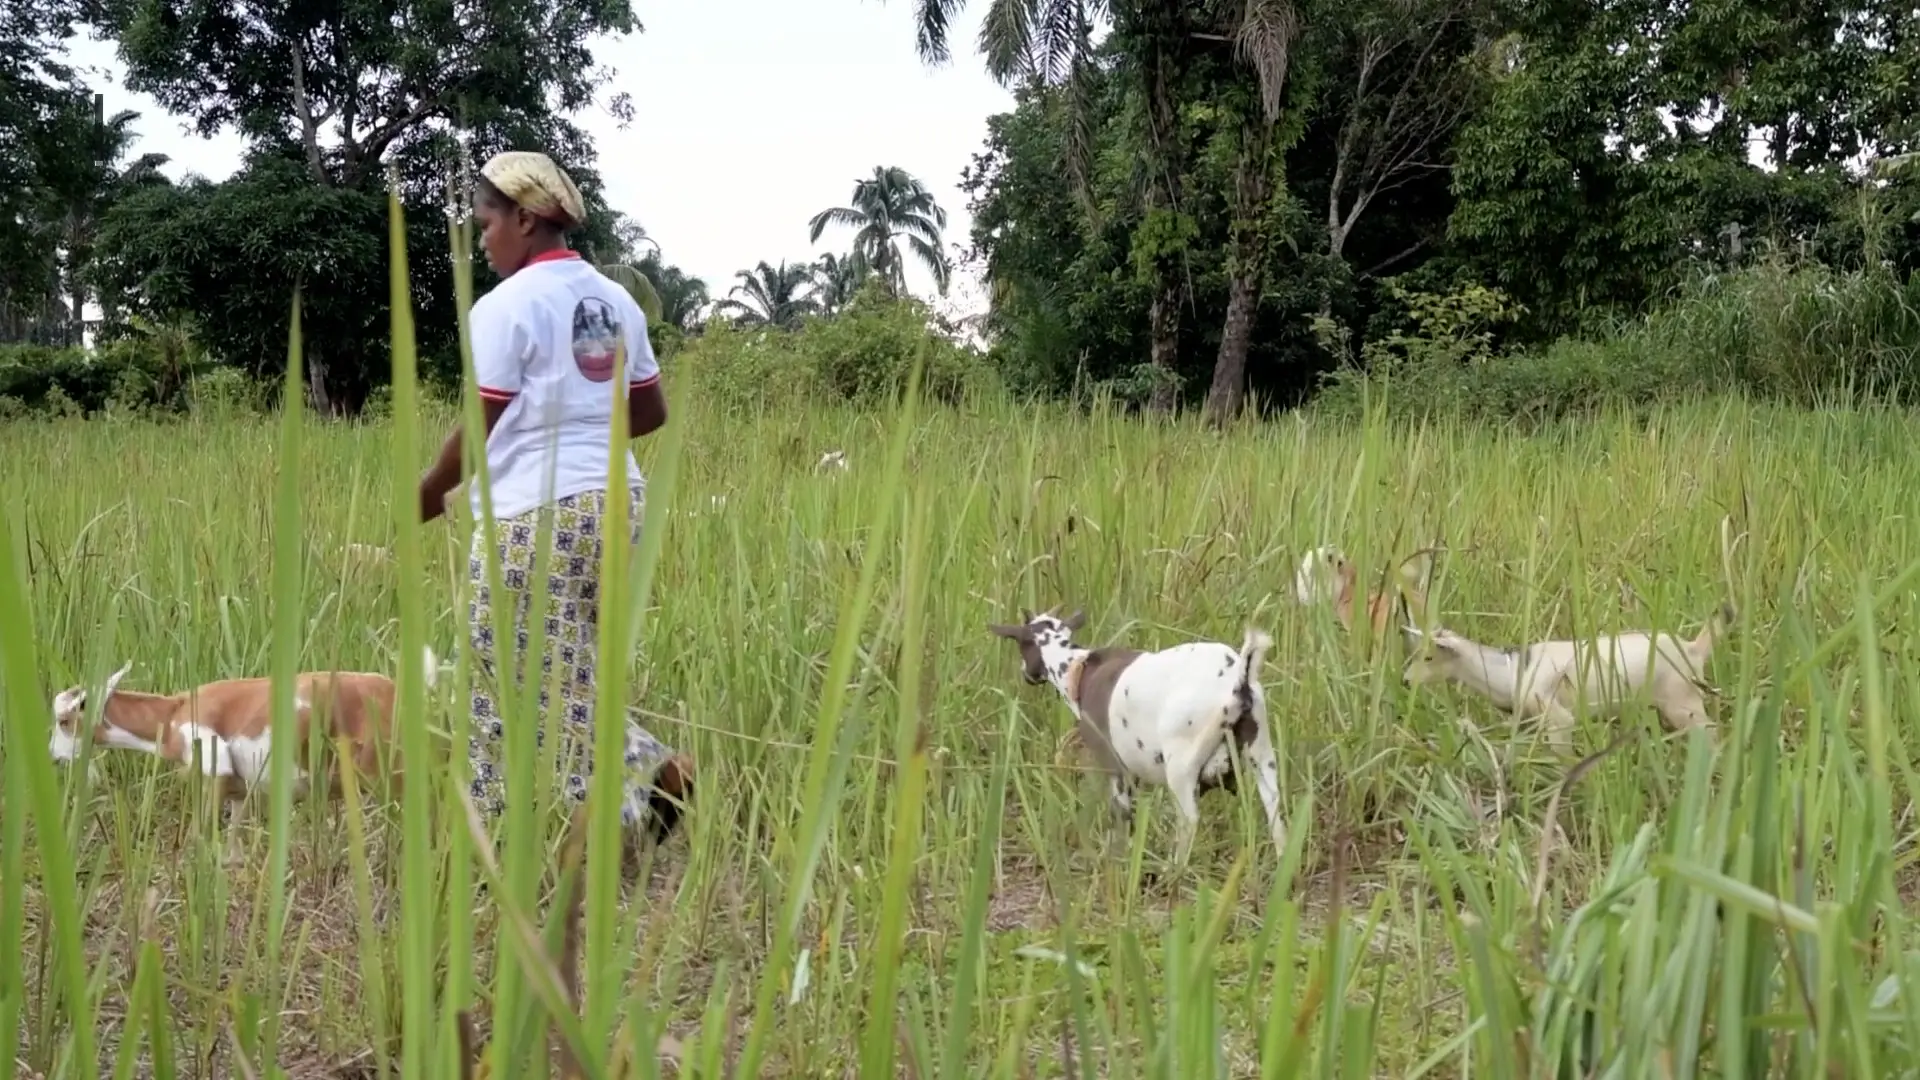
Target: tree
[(352, 79), (1409, 83), (1260, 129), (836, 278), (347, 90), (35, 90), (83, 174), (1158, 42), (1615, 144), (168, 251), (771, 296), (887, 206)]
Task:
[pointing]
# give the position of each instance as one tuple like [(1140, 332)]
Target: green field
[(1408, 934)]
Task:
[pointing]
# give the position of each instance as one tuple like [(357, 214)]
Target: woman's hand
[(433, 498), (445, 473)]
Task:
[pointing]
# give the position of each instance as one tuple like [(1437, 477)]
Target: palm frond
[(740, 312), (838, 215), (917, 226), (1265, 40), (1006, 40), (638, 286), (1080, 138), (1057, 39), (934, 260), (932, 19)]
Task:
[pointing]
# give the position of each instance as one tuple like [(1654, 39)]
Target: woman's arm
[(444, 475), (646, 414), (646, 409)]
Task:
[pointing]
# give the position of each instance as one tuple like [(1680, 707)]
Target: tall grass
[(891, 867)]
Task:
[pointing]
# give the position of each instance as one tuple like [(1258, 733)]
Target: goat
[(1160, 717), (1549, 678), (1327, 576), (227, 725)]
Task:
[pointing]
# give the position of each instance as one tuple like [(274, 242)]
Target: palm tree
[(682, 296), (85, 173), (836, 278), (771, 296), (887, 206)]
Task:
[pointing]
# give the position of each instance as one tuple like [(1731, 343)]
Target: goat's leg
[(243, 808), (1559, 722), (1121, 789), (1266, 777), (1183, 783)]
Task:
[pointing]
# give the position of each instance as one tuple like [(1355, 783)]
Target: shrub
[(223, 392), (864, 353), (868, 351), (147, 372), (1799, 334)]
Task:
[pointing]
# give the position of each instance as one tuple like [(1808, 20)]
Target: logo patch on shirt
[(596, 338)]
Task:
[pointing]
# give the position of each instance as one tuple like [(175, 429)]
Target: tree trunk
[(1251, 185), (1166, 165), (79, 308), (317, 382), (1229, 391), (1164, 320)]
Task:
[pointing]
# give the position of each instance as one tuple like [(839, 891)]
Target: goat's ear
[(113, 680), (1076, 620), (1345, 575), (1416, 572), (1017, 633)]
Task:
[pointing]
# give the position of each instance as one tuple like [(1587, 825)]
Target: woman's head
[(525, 206)]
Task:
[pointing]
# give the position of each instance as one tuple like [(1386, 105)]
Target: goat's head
[(1317, 581), (1034, 634), (1431, 657), (69, 714)]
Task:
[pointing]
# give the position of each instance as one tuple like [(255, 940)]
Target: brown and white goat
[(227, 726), (1161, 717), (1549, 679), (1327, 576)]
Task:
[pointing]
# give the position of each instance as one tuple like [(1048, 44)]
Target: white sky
[(753, 115)]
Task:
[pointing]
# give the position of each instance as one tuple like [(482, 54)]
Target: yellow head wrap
[(535, 182)]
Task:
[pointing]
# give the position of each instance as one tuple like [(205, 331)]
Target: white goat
[(1161, 717), (1548, 679)]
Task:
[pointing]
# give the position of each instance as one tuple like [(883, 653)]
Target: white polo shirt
[(546, 340)]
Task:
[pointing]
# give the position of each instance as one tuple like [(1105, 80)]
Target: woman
[(545, 343)]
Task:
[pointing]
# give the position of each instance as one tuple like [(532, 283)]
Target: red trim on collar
[(556, 255)]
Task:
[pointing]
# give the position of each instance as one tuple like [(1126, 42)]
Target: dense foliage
[(1189, 201), (1583, 161)]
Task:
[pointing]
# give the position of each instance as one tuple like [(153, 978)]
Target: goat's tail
[(1239, 704), (1253, 650), (432, 668), (1717, 626)]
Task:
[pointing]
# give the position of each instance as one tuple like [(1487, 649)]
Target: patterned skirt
[(572, 583)]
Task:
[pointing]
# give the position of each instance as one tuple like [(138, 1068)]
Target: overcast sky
[(753, 116)]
